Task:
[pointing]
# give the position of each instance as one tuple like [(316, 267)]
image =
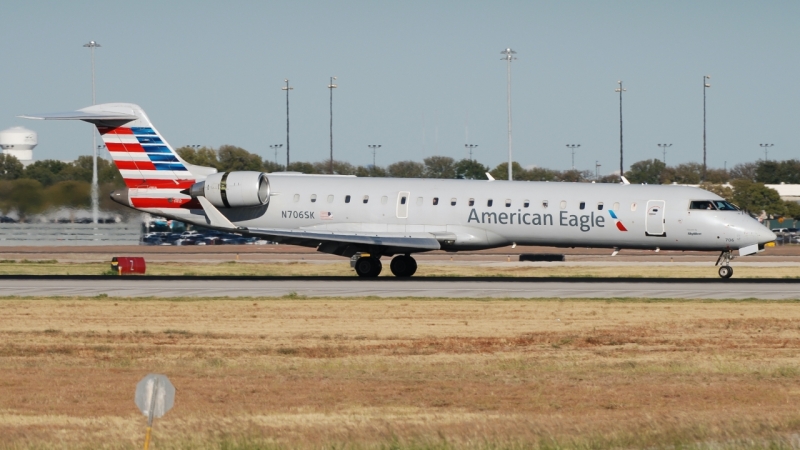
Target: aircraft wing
[(82, 115), (327, 241)]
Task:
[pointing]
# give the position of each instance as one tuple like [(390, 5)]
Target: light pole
[(95, 202), (620, 90), (470, 147), (573, 147), (664, 148), (705, 86), (275, 148), (331, 87), (597, 169), (287, 88), (509, 56), (373, 148), (766, 150)]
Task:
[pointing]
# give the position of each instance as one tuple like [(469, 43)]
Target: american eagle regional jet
[(397, 217)]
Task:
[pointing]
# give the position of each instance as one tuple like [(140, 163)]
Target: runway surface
[(778, 289)]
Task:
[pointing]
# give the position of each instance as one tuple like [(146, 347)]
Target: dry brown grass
[(401, 373), (426, 269)]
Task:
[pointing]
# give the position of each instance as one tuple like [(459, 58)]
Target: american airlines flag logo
[(325, 215)]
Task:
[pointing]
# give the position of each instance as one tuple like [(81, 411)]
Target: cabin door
[(654, 222), (402, 204)]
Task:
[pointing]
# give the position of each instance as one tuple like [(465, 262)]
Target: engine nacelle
[(233, 189)]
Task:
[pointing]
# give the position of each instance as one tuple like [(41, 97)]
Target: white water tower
[(19, 142)]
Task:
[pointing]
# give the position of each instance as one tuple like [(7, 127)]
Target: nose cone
[(766, 235), (121, 196)]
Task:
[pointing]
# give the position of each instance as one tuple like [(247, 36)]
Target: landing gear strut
[(368, 266), (725, 271), (403, 266)]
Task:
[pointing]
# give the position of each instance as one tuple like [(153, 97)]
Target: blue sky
[(414, 75)]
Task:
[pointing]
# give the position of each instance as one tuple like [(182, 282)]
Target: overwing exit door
[(654, 222)]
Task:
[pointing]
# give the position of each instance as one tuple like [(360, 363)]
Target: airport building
[(19, 142)]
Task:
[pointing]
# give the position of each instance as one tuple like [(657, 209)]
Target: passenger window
[(385, 199), (296, 198), (704, 204), (508, 203), (330, 199), (600, 206), (313, 198), (452, 202), (366, 199), (435, 201), (633, 206), (526, 203), (472, 202), (583, 205), (402, 200), (419, 201), (545, 204), (563, 204), (489, 202), (347, 199), (616, 206)]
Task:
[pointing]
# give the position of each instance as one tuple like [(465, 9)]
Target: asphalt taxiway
[(170, 287)]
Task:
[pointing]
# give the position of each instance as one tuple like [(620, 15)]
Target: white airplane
[(374, 217)]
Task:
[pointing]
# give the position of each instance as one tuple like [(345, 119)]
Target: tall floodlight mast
[(705, 86), (287, 88), (573, 147), (620, 90), (95, 200), (664, 148), (509, 56), (331, 87)]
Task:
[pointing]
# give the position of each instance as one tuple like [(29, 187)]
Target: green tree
[(469, 169), (69, 194), (406, 169), (647, 171), (232, 158), (10, 167), (204, 156), (302, 167), (370, 171), (744, 171), (270, 167), (440, 167), (776, 172), (792, 209), (687, 173), (26, 197), (574, 176), (339, 167), (46, 172), (5, 192), (755, 197), (717, 176), (501, 171)]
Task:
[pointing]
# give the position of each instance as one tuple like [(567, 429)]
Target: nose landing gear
[(724, 260), (403, 266)]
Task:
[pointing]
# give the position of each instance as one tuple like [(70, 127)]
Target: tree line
[(52, 184)]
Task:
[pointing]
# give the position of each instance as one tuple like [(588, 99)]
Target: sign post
[(155, 395)]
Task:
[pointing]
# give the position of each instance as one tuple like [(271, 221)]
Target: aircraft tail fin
[(142, 155)]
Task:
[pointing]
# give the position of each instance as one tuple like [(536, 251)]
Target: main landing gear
[(724, 260), (402, 266)]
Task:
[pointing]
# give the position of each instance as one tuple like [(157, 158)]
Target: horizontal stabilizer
[(97, 116)]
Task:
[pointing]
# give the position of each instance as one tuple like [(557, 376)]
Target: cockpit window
[(724, 206), (702, 204)]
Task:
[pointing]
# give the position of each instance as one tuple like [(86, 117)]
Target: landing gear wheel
[(726, 271), (368, 267), (403, 266)]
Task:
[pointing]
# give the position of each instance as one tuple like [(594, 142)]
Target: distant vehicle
[(780, 231), (792, 231), (6, 219)]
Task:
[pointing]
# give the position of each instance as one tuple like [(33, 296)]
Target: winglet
[(625, 180), (215, 218), (489, 176)]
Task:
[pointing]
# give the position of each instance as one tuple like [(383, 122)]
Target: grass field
[(402, 373), (427, 269)]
